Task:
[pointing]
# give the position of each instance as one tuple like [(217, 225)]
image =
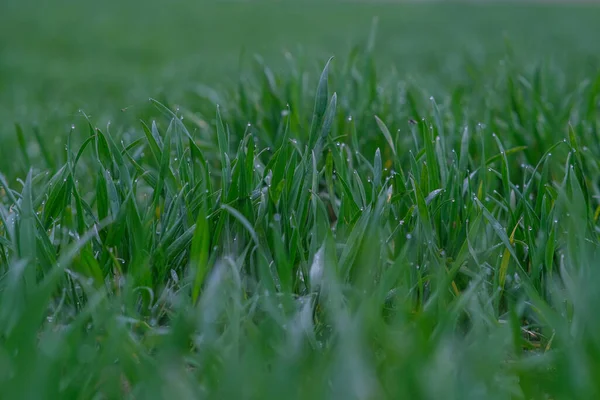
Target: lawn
[(61, 56), (196, 203)]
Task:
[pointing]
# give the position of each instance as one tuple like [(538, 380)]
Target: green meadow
[(276, 199)]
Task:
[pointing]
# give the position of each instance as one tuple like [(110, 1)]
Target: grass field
[(416, 218)]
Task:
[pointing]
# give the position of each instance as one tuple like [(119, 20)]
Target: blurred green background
[(60, 56), (107, 58)]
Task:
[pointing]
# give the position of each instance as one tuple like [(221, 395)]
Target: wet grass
[(340, 231)]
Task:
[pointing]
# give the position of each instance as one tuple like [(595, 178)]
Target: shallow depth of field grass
[(59, 56), (342, 231)]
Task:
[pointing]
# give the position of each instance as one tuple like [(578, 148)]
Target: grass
[(314, 233), (68, 55)]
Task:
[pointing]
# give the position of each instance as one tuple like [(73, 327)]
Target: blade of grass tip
[(464, 150), (314, 188), (505, 172), (222, 141), (175, 119), (329, 183), (101, 194), (361, 189), (164, 170), (8, 191), (329, 117), (83, 146), (138, 238), (132, 146), (69, 147), (500, 232), (351, 197), (442, 160), (27, 232), (440, 126), (80, 217), (353, 243), (506, 259), (506, 153), (314, 205), (103, 155), (550, 249), (353, 133), (226, 177), (579, 172), (372, 35), (423, 210), (114, 199), (430, 156), (179, 245), (480, 133), (386, 133), (327, 124), (241, 219), (57, 198), (281, 258), (377, 169), (320, 105), (71, 251), (371, 82), (154, 146)]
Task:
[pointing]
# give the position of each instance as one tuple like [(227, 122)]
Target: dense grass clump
[(342, 237)]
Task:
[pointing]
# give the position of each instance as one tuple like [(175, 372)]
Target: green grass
[(61, 56), (303, 231)]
